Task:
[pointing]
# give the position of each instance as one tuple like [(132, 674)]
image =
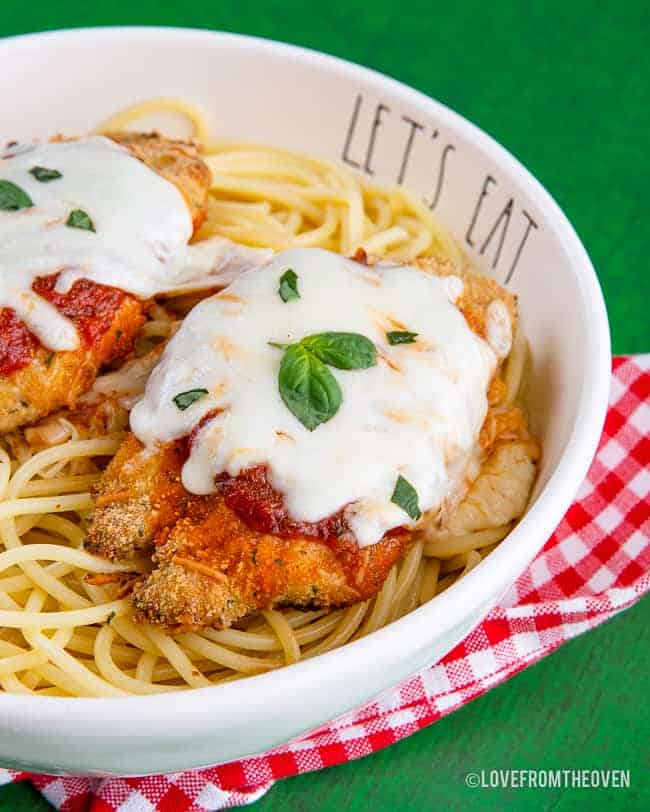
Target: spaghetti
[(66, 627)]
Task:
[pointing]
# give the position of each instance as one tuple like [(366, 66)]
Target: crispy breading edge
[(478, 292), (139, 495), (213, 570)]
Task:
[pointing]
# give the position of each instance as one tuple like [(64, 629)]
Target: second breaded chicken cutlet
[(34, 380)]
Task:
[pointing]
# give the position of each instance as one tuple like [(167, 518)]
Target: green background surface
[(564, 85)]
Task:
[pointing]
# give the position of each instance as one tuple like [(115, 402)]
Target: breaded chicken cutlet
[(215, 560), (35, 381)]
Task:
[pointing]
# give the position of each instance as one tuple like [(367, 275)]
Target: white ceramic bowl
[(70, 80)]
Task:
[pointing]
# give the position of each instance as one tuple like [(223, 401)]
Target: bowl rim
[(521, 545)]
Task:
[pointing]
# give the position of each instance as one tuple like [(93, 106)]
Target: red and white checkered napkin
[(596, 564)]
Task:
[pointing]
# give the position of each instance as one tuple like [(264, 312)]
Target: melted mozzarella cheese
[(498, 328), (140, 243), (417, 413)]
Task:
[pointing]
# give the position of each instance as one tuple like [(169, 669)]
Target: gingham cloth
[(596, 564)]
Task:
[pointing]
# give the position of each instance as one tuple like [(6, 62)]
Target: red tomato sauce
[(90, 306), (252, 497), (17, 344), (261, 507)]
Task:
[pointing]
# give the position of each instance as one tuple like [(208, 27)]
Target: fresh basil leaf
[(342, 350), (307, 387), (288, 289), (406, 497), (45, 175), (79, 219), (12, 197), (401, 337), (185, 399)]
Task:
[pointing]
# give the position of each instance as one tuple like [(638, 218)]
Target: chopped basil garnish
[(401, 337), (12, 197), (406, 497), (45, 175), (288, 289), (342, 350), (185, 399), (307, 387), (79, 219)]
